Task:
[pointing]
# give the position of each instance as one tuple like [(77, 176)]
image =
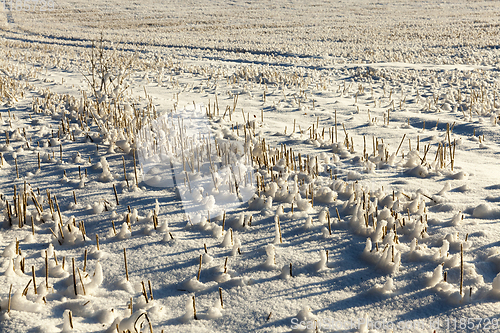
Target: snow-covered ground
[(274, 165)]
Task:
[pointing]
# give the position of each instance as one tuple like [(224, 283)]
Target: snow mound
[(486, 211), (387, 288), (20, 303), (418, 171)]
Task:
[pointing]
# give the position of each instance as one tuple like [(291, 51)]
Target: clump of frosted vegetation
[(21, 303)]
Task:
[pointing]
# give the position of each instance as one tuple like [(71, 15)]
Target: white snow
[(329, 162)]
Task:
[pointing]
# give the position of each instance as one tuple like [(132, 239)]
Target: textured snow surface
[(185, 160)]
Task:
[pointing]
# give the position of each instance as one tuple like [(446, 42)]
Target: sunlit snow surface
[(393, 107)]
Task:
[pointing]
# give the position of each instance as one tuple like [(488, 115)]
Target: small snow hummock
[(217, 231), (10, 250), (463, 188), (106, 175), (67, 325), (124, 284), (270, 263), (442, 253), (323, 216), (98, 207), (133, 322), (106, 316), (98, 254), (353, 175), (495, 287), (457, 219), (418, 171), (321, 264), (436, 277), (446, 188), (257, 203), (285, 272), (189, 315), (236, 246), (214, 312), (325, 195), (207, 258), (387, 288), (485, 211), (163, 228), (220, 275), (96, 281), (461, 175), (305, 321), (308, 225), (303, 204), (363, 327), (496, 283), (227, 241), (20, 303), (124, 232), (387, 260), (193, 285)]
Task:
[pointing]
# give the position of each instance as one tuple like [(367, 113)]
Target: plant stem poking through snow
[(144, 292), (34, 280), (135, 168), (220, 296), (10, 291), (116, 195), (194, 309), (46, 270), (199, 268), (125, 261), (150, 289), (74, 277), (461, 268)]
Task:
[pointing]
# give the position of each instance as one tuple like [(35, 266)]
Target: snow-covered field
[(237, 166)]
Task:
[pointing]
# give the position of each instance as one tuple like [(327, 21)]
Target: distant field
[(324, 31), (249, 166)]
